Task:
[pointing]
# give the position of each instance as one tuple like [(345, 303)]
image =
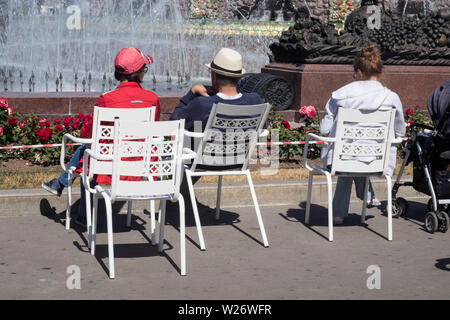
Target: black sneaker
[(54, 187)]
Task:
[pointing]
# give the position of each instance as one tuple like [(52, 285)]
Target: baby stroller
[(430, 155)]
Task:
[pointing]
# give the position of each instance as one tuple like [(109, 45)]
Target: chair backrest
[(103, 132), (147, 159), (231, 134), (363, 141)]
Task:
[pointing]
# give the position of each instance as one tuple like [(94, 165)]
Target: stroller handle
[(423, 126)]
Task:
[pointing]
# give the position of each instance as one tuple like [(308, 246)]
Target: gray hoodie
[(362, 95)]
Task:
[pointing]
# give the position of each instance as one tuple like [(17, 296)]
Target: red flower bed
[(17, 129)]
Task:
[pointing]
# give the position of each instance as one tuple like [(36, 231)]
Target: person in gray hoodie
[(365, 93)]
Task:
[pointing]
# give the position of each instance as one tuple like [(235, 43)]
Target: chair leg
[(182, 235), (364, 205), (152, 221), (94, 224), (88, 216), (258, 213), (219, 191), (69, 200), (195, 210), (389, 206), (308, 199), (159, 212), (130, 205), (109, 227), (162, 219), (330, 207)]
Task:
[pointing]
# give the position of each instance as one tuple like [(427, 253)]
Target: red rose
[(74, 126), (44, 134), (286, 124), (58, 128), (3, 103), (409, 112), (80, 115), (67, 120), (12, 121)]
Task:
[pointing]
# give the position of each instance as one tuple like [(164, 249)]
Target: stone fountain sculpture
[(403, 40)]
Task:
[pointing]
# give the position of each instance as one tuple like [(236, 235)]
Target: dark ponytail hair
[(120, 74)]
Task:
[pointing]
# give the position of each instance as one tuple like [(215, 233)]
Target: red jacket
[(126, 95)]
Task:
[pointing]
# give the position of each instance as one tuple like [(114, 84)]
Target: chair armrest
[(84, 177), (264, 133), (312, 136), (62, 156), (188, 154), (397, 140), (319, 138), (97, 156), (194, 134), (76, 139)]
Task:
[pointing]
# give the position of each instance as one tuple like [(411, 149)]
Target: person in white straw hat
[(227, 62), (226, 70)]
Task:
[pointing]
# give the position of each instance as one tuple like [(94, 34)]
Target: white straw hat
[(227, 62)]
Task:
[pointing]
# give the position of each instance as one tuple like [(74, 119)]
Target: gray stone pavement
[(36, 250)]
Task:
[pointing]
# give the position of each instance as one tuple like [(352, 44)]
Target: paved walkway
[(36, 250)]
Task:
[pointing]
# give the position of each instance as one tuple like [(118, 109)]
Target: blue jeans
[(341, 199), (73, 162), (64, 179)]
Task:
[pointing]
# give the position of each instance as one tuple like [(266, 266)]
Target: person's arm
[(157, 111), (258, 100), (399, 122), (328, 120), (180, 111), (86, 128)]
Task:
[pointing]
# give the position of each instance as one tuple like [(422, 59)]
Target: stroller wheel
[(443, 221), (395, 209), (431, 222), (403, 205), (399, 207)]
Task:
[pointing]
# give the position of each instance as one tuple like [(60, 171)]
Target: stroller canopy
[(438, 104)]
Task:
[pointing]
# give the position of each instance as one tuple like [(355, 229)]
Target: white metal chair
[(146, 164), (101, 142), (229, 139), (361, 149)]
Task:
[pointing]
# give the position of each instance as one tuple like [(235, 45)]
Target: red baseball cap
[(131, 60)]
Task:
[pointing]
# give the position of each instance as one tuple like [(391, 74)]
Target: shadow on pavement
[(415, 214), (443, 264), (207, 217), (131, 250), (319, 217)]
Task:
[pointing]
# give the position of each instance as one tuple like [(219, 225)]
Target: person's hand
[(200, 90)]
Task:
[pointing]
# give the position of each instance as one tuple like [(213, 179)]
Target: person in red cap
[(130, 68)]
